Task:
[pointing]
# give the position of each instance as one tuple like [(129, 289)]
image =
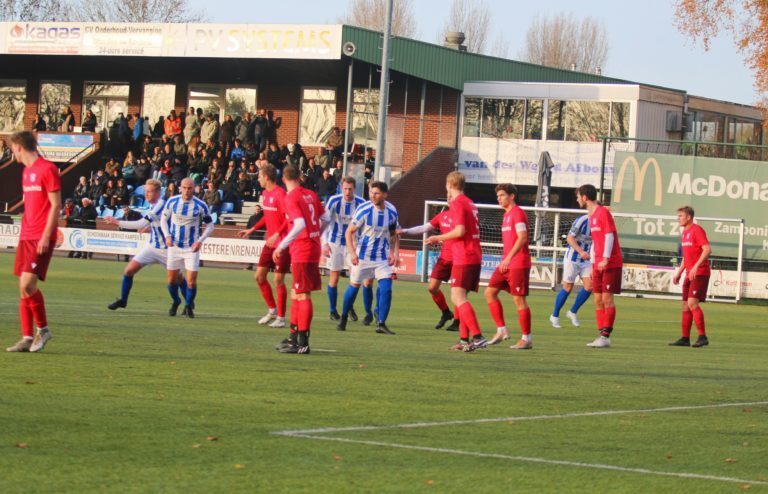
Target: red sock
[(497, 313), (610, 316), (600, 317), (687, 323), (36, 304), (282, 298), (468, 317), (524, 318), (463, 331), (698, 318), (294, 312), (306, 311), (25, 315), (266, 292), (439, 299)]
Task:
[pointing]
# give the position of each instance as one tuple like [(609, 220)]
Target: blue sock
[(190, 296), (349, 299), (560, 301), (126, 289), (581, 297), (173, 289), (368, 299), (183, 288), (333, 296), (384, 299)]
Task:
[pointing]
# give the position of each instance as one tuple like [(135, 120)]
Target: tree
[(562, 40), (745, 20), (32, 10), (471, 17), (371, 14), (166, 11)]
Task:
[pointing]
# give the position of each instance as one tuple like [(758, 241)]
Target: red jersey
[(466, 249), (513, 219), (600, 224), (303, 203), (442, 222), (273, 206), (37, 181), (693, 239)]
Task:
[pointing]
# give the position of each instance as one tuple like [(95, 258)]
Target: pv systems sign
[(264, 41)]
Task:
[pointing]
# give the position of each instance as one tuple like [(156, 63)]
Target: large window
[(365, 117), (158, 101), (223, 100), (472, 113), (13, 97), (107, 100), (586, 121), (318, 116), (503, 118), (54, 99)]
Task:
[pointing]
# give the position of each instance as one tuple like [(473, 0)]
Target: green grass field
[(135, 401)]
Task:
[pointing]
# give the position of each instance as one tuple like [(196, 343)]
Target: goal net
[(650, 246)]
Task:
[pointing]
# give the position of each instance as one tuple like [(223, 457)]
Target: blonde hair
[(155, 184), (456, 180)]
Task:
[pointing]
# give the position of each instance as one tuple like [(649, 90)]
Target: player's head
[(152, 189), (377, 191), (187, 188), (586, 193), (348, 188), (291, 177), (267, 175), (685, 216), (454, 184), (22, 143), (506, 195)]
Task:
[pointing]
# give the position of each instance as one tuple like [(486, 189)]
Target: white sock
[(28, 338), (501, 329), (527, 337)]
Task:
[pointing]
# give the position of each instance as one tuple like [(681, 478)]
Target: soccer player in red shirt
[(606, 263), (467, 260), (41, 184), (303, 210), (513, 273), (696, 251), (274, 219)]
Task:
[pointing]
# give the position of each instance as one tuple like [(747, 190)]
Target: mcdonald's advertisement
[(658, 184)]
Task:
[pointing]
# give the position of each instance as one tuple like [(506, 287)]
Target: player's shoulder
[(359, 200), (171, 201), (334, 200), (199, 202), (365, 208), (391, 207)]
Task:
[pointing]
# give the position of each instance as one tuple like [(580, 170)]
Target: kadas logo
[(639, 174)]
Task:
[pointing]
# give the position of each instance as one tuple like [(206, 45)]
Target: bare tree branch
[(471, 17), (562, 40), (32, 10), (166, 11), (500, 47), (371, 14)]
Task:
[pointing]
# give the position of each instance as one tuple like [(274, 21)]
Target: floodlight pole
[(383, 93)]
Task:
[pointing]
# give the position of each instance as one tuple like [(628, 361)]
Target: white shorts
[(339, 260), (178, 257), (151, 255), (573, 270), (365, 270)]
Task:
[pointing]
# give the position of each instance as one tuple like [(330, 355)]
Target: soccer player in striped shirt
[(182, 223), (339, 212), (374, 247), (576, 263)]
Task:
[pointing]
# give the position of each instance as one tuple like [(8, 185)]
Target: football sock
[(524, 318), (36, 304), (191, 294), (125, 290), (367, 299), (687, 323), (306, 311), (562, 296), (463, 331), (294, 317), (282, 299), (183, 287), (600, 318), (497, 313), (266, 292), (698, 319), (26, 317), (468, 317), (439, 299), (173, 289), (581, 297), (610, 316), (349, 299), (303, 336), (384, 298), (333, 296)]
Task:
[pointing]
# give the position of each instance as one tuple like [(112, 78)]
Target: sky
[(644, 44)]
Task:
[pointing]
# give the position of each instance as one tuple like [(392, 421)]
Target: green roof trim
[(453, 68)]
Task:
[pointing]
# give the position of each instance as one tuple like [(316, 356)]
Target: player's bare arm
[(53, 217), (352, 244), (706, 250), (457, 232), (522, 239)]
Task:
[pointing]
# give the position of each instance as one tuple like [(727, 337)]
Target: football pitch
[(136, 401)]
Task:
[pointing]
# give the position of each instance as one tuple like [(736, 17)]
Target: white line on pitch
[(598, 466), (418, 425)]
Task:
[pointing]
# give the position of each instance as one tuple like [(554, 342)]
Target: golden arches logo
[(640, 172)]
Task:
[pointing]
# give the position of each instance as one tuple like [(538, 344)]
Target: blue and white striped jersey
[(338, 214), (374, 228), (154, 216), (186, 220), (580, 232)]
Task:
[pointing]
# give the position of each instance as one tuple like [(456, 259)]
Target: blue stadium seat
[(106, 212), (119, 214), (139, 191), (227, 207), (221, 194), (215, 218)]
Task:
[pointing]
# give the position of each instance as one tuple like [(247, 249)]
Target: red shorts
[(442, 270), (606, 281), (29, 261), (696, 289), (514, 281), (306, 277), (265, 260), (466, 276)]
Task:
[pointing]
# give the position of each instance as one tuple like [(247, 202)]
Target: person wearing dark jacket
[(81, 190), (89, 122), (178, 171), (39, 124), (261, 126), (227, 133), (159, 129), (326, 186)]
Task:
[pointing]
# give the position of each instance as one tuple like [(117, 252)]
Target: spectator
[(67, 123), (295, 156), (129, 170), (326, 186), (191, 126), (274, 156), (81, 190), (314, 172), (141, 172), (39, 124), (335, 144), (147, 146), (5, 152), (87, 214), (138, 130), (89, 122), (121, 193), (199, 191), (242, 130), (159, 128), (215, 173), (178, 171), (210, 130), (244, 187), (110, 166), (146, 127), (230, 176), (262, 160), (338, 171), (212, 198), (227, 133), (167, 152), (179, 148), (238, 153), (171, 191), (195, 165), (69, 211), (172, 125), (260, 129), (368, 177)]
